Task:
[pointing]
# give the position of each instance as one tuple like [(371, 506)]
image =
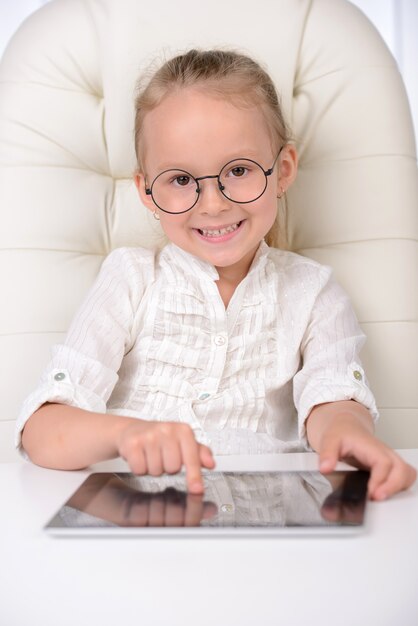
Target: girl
[(220, 342)]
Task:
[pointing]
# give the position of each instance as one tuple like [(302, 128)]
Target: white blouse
[(153, 340)]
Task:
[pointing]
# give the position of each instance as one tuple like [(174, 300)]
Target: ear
[(288, 166), (140, 184)]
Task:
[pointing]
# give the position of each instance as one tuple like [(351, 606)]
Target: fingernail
[(325, 465), (196, 487)]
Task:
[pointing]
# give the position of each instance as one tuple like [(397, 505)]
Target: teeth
[(219, 232)]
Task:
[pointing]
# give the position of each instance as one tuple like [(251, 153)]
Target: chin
[(223, 260)]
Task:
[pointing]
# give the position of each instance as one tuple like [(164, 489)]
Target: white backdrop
[(396, 20)]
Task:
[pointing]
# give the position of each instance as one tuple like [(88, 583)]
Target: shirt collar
[(195, 266), (260, 258)]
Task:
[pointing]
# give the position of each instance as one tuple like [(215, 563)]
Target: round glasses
[(240, 180)]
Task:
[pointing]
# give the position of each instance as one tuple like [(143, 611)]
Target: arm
[(322, 416), (344, 430), (65, 437), (68, 438), (83, 370), (335, 406), (58, 433)]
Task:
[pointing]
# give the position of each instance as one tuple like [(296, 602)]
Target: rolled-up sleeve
[(83, 371), (331, 366)]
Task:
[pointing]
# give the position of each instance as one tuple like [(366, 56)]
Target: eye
[(181, 181), (238, 171)]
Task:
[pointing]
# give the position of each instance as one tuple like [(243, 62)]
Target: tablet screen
[(267, 502)]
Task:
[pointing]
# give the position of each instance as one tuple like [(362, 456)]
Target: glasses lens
[(174, 191), (243, 180)]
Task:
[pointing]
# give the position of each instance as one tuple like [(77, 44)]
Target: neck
[(231, 276), (235, 273)]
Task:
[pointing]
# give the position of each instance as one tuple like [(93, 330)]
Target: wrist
[(345, 413), (121, 425)]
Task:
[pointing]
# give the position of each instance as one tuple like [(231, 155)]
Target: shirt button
[(59, 376), (357, 375), (227, 508), (219, 340), (204, 396)]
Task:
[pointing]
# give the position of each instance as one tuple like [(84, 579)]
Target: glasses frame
[(148, 190)]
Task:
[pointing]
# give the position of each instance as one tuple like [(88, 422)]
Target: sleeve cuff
[(61, 391), (352, 387)]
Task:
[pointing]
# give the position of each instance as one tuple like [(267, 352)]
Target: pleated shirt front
[(153, 340)]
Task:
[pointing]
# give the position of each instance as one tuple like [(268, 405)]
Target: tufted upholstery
[(66, 159)]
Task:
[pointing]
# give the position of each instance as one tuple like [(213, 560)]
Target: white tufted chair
[(66, 159)]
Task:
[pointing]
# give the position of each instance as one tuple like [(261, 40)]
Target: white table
[(368, 580)]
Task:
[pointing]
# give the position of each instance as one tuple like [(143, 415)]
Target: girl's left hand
[(346, 439)]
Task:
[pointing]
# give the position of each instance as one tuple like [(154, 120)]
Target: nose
[(211, 201)]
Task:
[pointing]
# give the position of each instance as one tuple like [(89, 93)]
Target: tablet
[(262, 504)]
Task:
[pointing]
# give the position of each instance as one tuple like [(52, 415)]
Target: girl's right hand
[(151, 447)]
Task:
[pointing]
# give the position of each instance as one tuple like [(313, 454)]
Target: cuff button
[(59, 376), (357, 375)]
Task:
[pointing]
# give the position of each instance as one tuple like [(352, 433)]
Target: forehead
[(190, 127)]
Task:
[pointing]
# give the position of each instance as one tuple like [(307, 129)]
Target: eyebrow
[(166, 165)]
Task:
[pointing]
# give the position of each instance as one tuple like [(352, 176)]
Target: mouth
[(216, 233)]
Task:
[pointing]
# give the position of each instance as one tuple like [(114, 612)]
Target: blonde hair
[(224, 74)]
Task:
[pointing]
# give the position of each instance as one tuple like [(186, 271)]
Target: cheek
[(266, 206), (269, 211), (172, 223), (273, 191)]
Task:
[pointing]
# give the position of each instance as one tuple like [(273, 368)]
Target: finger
[(153, 455), (171, 454), (137, 461), (401, 476), (194, 509), (138, 512), (156, 513), (175, 507), (198, 510), (191, 459), (206, 456), (331, 511), (412, 476), (209, 510), (329, 454), (379, 473)]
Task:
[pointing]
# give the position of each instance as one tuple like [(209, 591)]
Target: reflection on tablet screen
[(231, 499)]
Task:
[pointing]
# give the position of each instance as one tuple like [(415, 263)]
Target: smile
[(218, 232)]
